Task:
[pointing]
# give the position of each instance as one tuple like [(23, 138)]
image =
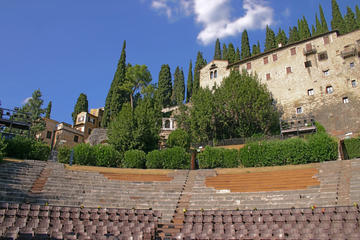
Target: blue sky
[(68, 47)]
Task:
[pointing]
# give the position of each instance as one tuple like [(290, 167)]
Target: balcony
[(309, 49), (348, 52)]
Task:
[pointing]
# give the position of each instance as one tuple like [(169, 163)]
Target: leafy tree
[(357, 10), (256, 49), (231, 55), (178, 138), (189, 83), (293, 35), (48, 110), (270, 41), (116, 96), (34, 107), (324, 26), (179, 87), (81, 105), (224, 52), (165, 85), (281, 38), (245, 46), (137, 77), (200, 63), (217, 54), (350, 21), (337, 21), (237, 55)]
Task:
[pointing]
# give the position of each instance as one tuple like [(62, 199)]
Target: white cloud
[(215, 15), (26, 100)]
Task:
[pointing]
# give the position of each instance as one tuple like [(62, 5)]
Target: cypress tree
[(199, 64), (324, 26), (165, 85), (217, 54), (224, 52), (293, 35), (357, 10), (81, 105), (270, 41), (313, 30), (48, 110), (350, 21), (179, 87), (237, 55), (115, 97), (245, 46), (337, 21), (306, 30), (189, 82), (231, 53), (281, 38), (256, 48), (319, 26)]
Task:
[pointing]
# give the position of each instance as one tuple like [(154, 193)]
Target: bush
[(2, 148), (18, 147), (179, 138), (84, 155), (134, 159), (322, 148), (107, 156), (175, 158), (218, 158), (352, 147), (319, 128), (63, 154), (39, 151), (154, 159)]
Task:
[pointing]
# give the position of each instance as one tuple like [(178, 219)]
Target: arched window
[(211, 74), (167, 124), (215, 74)]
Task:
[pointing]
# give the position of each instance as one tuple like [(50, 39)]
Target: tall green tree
[(313, 30), (48, 110), (256, 48), (231, 54), (179, 87), (237, 55), (137, 78), (81, 105), (189, 83), (350, 21), (245, 45), (116, 96), (34, 107), (318, 25), (217, 54), (337, 21), (281, 38), (199, 64), (165, 85), (270, 41), (303, 27), (324, 26), (224, 52), (293, 35), (357, 11)]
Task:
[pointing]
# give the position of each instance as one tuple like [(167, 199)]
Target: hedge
[(218, 158), (178, 138), (26, 148), (2, 148), (63, 154), (84, 154), (175, 158), (352, 147), (39, 151), (134, 159), (154, 159), (107, 156)]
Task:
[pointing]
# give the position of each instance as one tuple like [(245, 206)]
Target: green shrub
[(218, 158), (19, 147), (39, 151), (134, 159), (352, 147), (154, 159), (179, 138), (322, 148), (107, 156), (63, 154), (2, 148), (175, 158), (84, 155), (319, 128)]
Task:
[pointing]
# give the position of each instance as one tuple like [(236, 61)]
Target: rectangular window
[(353, 83), (299, 110), (48, 135), (311, 92), (326, 39), (275, 57), (322, 56), (89, 130), (288, 70), (211, 75), (80, 119), (76, 138), (266, 60), (268, 76), (215, 74), (345, 100), (326, 72), (329, 89), (307, 64), (248, 66), (293, 51), (352, 65), (308, 47)]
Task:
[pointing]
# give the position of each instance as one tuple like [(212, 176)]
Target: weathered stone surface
[(97, 136)]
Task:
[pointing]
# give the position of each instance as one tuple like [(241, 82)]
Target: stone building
[(86, 122), (316, 77)]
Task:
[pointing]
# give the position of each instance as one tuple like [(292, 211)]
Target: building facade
[(86, 122), (318, 76)]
